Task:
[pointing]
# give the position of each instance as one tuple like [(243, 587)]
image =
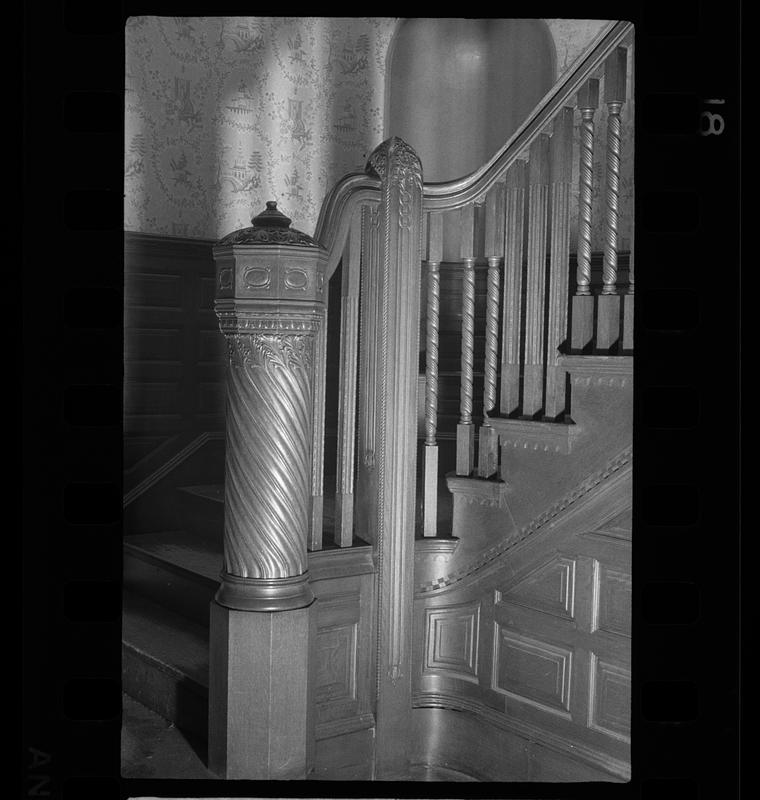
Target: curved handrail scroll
[(350, 192)]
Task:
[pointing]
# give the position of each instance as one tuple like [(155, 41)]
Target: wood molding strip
[(171, 464)]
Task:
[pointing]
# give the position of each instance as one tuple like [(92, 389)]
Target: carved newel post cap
[(270, 227), (270, 260), (271, 217)]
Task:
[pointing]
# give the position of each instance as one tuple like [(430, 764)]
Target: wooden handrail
[(457, 193), (334, 223)]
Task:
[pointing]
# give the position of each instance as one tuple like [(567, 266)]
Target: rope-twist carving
[(268, 464), (431, 367), (609, 270), (492, 337), (586, 188), (468, 340)]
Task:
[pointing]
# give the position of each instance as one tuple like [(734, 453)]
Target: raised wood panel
[(211, 397), (451, 641), (212, 348), (336, 663), (173, 363), (532, 671), (154, 291), (156, 399), (154, 344), (555, 621), (549, 588), (612, 592), (610, 693), (343, 666), (207, 293)]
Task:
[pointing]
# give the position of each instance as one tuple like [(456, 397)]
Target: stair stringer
[(468, 627)]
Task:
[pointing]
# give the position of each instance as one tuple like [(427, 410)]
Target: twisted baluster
[(492, 337), (615, 78), (609, 270), (431, 369), (468, 340), (584, 199), (583, 302)]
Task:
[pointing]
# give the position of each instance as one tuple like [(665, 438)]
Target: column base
[(261, 724), (264, 594)]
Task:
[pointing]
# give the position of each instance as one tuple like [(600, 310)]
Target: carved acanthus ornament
[(271, 340)]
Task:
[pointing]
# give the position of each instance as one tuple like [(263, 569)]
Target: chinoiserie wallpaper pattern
[(225, 113)]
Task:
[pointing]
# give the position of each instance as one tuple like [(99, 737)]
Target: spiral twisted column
[(270, 304), (492, 336), (609, 337), (268, 463), (465, 428), (433, 251), (585, 199), (581, 334), (270, 293), (612, 198), (468, 340), (431, 362)]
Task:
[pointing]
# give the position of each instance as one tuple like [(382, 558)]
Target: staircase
[(472, 614)]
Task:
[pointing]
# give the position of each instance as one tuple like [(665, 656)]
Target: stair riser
[(176, 698), (180, 591), (202, 515)]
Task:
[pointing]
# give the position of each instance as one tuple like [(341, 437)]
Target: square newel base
[(260, 723)]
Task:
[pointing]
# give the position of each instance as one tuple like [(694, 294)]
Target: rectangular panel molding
[(610, 699), (612, 600), (336, 663), (531, 671), (451, 644)]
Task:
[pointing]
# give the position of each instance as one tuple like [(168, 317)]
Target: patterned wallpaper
[(225, 113)]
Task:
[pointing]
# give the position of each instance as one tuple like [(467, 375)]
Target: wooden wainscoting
[(535, 647), (174, 358)]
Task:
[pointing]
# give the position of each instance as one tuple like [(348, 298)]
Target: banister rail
[(351, 191), (457, 193)]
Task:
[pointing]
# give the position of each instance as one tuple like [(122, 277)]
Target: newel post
[(269, 301), (398, 269)]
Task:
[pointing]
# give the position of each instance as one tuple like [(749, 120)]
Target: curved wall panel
[(460, 87)]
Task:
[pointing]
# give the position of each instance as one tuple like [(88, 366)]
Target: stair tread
[(200, 555), (174, 642)]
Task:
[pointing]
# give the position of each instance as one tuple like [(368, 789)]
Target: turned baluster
[(583, 302), (494, 252), (559, 258), (514, 224), (344, 496), (433, 244), (538, 212), (465, 428), (608, 313)]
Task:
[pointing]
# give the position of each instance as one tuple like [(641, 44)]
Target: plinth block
[(260, 725)]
